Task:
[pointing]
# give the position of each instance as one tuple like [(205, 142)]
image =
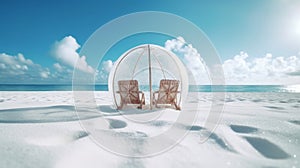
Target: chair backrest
[(168, 90), (129, 91)]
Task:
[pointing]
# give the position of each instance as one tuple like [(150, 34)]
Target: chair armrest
[(143, 95), (155, 92)]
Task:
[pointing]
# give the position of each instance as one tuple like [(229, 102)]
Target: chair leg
[(154, 103), (142, 102), (140, 106), (176, 106), (121, 106)]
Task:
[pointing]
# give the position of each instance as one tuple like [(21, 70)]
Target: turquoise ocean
[(192, 88)]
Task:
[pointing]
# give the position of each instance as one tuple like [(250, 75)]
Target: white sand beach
[(41, 129)]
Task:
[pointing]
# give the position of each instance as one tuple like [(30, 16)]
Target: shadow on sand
[(44, 114), (267, 148), (243, 129)]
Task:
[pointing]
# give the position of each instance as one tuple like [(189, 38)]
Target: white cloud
[(240, 69), (18, 69), (191, 58), (45, 74), (107, 65), (62, 74), (2, 66), (58, 67), (65, 51), (105, 68), (262, 70)]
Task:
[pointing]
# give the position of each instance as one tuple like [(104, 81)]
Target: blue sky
[(256, 27)]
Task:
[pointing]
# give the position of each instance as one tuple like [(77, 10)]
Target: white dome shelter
[(148, 77)]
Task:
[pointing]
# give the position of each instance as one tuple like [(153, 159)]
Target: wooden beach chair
[(130, 94), (167, 93)]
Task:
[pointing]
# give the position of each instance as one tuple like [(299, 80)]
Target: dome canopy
[(146, 76)]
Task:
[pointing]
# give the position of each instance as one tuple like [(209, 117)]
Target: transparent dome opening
[(148, 77)]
